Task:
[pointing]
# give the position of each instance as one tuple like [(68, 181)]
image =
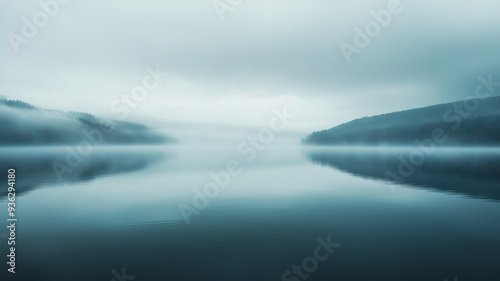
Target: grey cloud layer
[(433, 50)]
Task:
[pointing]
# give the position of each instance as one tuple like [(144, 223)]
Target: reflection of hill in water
[(474, 172), (34, 166)]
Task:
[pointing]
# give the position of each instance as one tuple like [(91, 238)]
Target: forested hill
[(463, 123), (24, 124)]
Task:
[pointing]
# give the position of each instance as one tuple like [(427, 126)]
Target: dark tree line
[(25, 124), (484, 130)]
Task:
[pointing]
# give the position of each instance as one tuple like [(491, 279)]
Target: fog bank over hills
[(25, 124)]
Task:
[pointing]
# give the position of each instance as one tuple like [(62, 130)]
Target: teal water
[(119, 208)]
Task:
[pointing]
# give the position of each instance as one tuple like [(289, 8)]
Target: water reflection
[(37, 167), (473, 172), (264, 222)]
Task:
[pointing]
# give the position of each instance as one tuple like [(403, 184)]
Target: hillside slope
[(24, 124), (460, 125)]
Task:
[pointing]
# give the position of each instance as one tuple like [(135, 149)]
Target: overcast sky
[(264, 55)]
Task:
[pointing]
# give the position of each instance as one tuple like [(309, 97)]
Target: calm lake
[(117, 210)]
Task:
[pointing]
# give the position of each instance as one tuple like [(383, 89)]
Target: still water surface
[(119, 208)]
